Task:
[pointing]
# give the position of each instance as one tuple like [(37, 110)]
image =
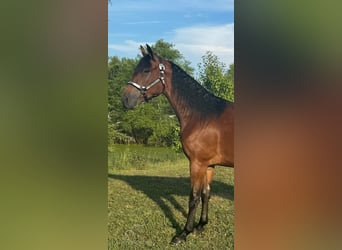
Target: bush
[(116, 137)]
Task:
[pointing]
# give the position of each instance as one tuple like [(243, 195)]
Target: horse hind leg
[(205, 197)]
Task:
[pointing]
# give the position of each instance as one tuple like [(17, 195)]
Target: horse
[(206, 125)]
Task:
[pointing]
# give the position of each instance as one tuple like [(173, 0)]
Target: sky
[(193, 26)]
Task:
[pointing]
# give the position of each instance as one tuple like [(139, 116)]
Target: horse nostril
[(124, 100), (127, 101), (130, 99)]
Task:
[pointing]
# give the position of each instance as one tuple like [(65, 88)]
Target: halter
[(144, 89)]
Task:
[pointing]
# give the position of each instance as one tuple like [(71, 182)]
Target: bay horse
[(206, 125)]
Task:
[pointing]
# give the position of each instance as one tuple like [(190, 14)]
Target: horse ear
[(149, 50), (143, 51)]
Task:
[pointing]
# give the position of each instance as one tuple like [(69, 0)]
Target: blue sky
[(194, 26)]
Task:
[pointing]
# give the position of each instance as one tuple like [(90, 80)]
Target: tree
[(119, 71), (167, 51), (230, 77), (215, 76)]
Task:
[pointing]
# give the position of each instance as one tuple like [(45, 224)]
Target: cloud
[(130, 48), (195, 41), (126, 47)]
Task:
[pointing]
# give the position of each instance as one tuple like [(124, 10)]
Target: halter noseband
[(144, 89)]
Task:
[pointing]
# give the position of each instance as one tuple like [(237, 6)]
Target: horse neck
[(183, 114), (179, 103)]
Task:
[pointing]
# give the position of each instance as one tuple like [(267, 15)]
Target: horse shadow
[(162, 189)]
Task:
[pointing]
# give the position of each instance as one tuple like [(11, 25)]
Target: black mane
[(195, 96)]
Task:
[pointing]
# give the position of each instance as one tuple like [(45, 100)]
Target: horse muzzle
[(130, 99)]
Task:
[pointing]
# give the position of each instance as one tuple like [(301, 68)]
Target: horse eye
[(146, 71)]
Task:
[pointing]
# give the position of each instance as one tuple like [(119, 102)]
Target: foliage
[(214, 76), (119, 71), (116, 137), (167, 51)]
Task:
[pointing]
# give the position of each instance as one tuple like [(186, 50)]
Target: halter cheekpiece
[(144, 89)]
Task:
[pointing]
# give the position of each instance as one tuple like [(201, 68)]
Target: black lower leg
[(189, 226), (205, 196)]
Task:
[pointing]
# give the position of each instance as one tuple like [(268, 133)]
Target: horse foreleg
[(198, 180), (205, 196)]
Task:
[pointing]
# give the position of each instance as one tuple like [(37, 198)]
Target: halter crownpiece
[(143, 89)]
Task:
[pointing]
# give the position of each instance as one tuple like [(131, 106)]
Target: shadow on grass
[(159, 189)]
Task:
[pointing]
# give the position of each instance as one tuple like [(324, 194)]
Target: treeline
[(155, 123)]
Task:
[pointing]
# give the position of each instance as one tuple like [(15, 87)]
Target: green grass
[(147, 206), (139, 157)]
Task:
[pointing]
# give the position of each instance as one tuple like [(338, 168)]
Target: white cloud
[(129, 45), (195, 41), (192, 42), (128, 49)]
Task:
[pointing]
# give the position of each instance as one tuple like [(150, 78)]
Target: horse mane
[(194, 95)]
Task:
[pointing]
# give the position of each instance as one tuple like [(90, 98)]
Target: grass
[(139, 157), (147, 203)]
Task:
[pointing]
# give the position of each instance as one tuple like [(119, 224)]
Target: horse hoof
[(198, 230), (178, 239)]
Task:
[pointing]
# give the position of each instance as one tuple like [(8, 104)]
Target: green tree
[(119, 72), (230, 76), (167, 51), (138, 123), (215, 76)]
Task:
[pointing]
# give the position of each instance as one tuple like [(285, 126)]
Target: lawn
[(148, 200)]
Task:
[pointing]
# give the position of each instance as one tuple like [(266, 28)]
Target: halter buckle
[(161, 67)]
